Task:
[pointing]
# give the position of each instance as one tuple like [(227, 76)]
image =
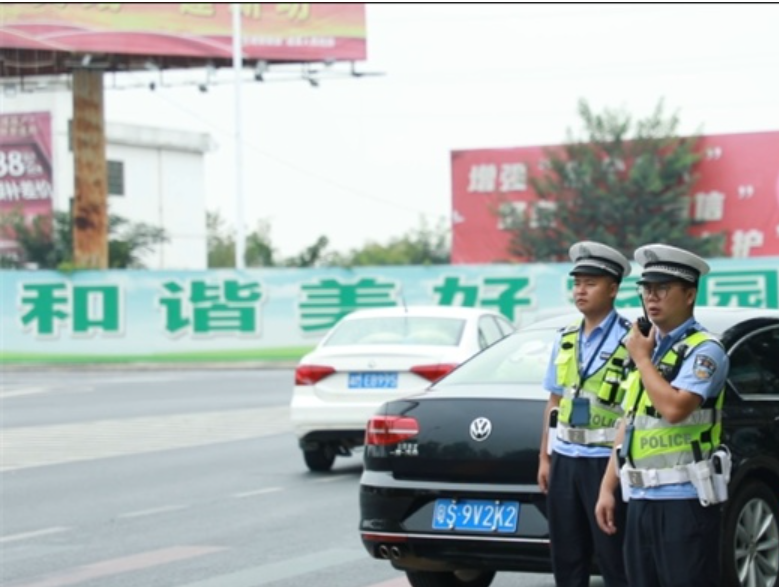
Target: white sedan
[(373, 356)]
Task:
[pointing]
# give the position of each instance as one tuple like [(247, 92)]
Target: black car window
[(754, 364), (519, 358)]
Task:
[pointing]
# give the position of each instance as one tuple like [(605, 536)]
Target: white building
[(155, 175)]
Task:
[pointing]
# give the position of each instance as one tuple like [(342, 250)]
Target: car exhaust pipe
[(396, 553), (384, 551)]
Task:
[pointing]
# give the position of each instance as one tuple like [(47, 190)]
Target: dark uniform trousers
[(574, 485), (673, 543)]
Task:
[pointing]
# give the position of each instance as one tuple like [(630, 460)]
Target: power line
[(288, 164)]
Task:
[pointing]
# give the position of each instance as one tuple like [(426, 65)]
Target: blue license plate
[(476, 515), (373, 380)]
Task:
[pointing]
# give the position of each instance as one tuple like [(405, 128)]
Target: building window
[(115, 178)]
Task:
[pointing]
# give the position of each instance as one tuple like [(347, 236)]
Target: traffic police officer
[(670, 433), (583, 377)]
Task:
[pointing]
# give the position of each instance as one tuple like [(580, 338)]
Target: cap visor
[(659, 278), (591, 271)]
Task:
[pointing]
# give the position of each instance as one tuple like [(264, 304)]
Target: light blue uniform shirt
[(587, 346), (686, 379)]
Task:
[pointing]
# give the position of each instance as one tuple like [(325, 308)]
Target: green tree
[(626, 184), (259, 248), (47, 241), (419, 246), (219, 242), (312, 256), (129, 241)]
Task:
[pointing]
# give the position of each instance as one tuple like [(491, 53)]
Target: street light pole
[(240, 236)]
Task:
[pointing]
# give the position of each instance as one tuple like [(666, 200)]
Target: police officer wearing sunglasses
[(669, 438), (583, 378)]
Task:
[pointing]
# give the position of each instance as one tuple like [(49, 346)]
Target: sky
[(367, 159)]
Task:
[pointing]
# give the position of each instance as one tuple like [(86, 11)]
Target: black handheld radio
[(644, 325)]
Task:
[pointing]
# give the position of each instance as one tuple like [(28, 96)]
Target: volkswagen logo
[(481, 428)]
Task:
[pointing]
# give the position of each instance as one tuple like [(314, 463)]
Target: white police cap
[(662, 263), (591, 258)]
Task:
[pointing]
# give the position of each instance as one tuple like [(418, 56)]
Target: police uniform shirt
[(587, 346), (703, 372)]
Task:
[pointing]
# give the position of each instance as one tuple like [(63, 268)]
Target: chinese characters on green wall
[(213, 305)]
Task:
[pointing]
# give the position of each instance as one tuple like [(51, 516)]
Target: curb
[(182, 366)]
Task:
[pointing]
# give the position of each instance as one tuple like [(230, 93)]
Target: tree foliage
[(420, 246), (625, 185), (259, 251), (47, 241), (423, 245), (219, 242)]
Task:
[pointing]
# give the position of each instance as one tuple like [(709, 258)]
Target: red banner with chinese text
[(737, 193), (25, 163), (282, 32)]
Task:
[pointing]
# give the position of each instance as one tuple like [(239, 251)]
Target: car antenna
[(405, 311)]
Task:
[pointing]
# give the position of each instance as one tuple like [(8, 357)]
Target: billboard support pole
[(240, 236), (90, 202)]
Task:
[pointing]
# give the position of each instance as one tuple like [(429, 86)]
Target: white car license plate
[(476, 515), (373, 380)]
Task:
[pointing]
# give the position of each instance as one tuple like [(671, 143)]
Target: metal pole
[(240, 236)]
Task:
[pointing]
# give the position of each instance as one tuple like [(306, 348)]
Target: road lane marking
[(399, 582), (286, 569), (331, 478), (22, 391), (153, 511), (126, 564), (25, 391), (264, 491), (36, 446), (33, 534)]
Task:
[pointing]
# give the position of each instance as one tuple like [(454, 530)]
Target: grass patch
[(272, 354)]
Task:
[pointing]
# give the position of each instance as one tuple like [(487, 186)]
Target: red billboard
[(737, 193), (25, 163), (273, 32)]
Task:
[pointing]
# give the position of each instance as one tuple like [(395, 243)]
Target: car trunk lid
[(493, 440)]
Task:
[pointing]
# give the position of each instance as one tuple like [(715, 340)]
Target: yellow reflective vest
[(603, 388), (656, 443)]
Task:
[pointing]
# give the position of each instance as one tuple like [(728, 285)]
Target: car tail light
[(310, 374), (433, 372), (384, 430)]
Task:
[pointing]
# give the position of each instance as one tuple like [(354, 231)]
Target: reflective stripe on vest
[(657, 443), (603, 388)]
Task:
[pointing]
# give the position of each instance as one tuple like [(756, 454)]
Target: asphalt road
[(173, 479)]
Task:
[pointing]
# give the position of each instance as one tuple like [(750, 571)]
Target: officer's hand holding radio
[(640, 345), (641, 341), (643, 322)]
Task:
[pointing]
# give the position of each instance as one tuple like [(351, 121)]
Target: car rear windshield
[(521, 357), (403, 330)]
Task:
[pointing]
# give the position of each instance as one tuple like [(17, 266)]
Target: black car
[(448, 492)]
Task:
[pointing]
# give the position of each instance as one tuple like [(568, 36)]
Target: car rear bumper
[(309, 417), (396, 524), (417, 552)]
